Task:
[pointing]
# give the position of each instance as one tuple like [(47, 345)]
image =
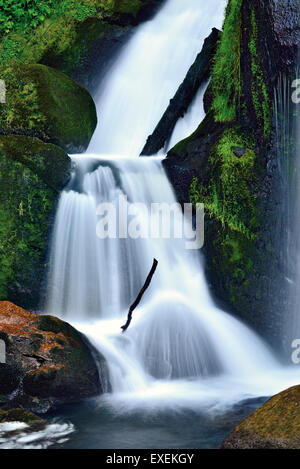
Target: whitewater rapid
[(180, 349)]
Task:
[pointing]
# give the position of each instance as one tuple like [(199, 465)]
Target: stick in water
[(140, 295)]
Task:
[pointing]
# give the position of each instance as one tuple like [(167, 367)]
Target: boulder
[(48, 362), (48, 161), (31, 175), (21, 415), (45, 103), (275, 425)]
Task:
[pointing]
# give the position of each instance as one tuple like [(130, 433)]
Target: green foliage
[(226, 74), (17, 13), (230, 196), (31, 173), (25, 207), (47, 103), (53, 26), (260, 96)]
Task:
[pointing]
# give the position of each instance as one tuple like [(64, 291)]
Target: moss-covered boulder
[(275, 425), (48, 161), (21, 415), (45, 103), (31, 175), (48, 362)]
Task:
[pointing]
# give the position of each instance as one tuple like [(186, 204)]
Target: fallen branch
[(179, 105), (140, 295)]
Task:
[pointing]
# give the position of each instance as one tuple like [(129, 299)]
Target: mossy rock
[(48, 161), (48, 362), (43, 102), (275, 425), (31, 175), (20, 415)]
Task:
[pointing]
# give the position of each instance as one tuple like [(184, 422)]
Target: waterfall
[(139, 86), (288, 138), (180, 346)]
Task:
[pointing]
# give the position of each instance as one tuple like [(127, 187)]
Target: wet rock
[(21, 415), (275, 425), (238, 151), (48, 362)]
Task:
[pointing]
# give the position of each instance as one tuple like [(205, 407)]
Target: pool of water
[(97, 426)]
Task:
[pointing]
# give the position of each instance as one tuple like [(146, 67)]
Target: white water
[(180, 349), (138, 88)]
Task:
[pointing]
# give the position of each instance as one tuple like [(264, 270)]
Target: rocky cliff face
[(231, 164)]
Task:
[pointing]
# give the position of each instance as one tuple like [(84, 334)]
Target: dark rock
[(179, 105), (238, 151), (48, 362), (21, 415), (275, 425), (285, 23)]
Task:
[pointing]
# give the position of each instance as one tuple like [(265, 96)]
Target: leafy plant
[(15, 13)]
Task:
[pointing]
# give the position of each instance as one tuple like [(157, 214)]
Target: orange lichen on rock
[(15, 320), (48, 362), (46, 368), (19, 322)]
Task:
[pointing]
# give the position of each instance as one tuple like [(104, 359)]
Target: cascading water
[(138, 88), (179, 348)]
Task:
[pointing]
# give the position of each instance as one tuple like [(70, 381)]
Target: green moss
[(46, 102), (20, 415), (226, 73), (48, 161), (29, 183), (260, 95), (51, 324), (279, 417), (25, 207), (229, 193), (230, 196), (29, 40)]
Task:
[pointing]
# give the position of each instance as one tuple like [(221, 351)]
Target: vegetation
[(16, 13), (31, 28), (230, 196), (259, 90), (26, 203), (43, 101), (226, 73)]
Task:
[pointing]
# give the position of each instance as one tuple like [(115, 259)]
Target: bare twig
[(140, 295)]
